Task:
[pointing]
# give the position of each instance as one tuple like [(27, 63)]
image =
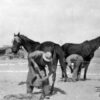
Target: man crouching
[(77, 62), (37, 73)]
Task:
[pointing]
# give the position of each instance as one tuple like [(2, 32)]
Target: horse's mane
[(95, 39), (23, 37)]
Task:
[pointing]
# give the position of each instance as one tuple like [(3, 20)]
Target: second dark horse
[(31, 46), (85, 49)]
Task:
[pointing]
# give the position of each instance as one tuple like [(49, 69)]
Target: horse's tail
[(61, 57), (60, 54)]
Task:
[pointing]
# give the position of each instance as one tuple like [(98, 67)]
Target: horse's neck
[(27, 47), (95, 43), (30, 46)]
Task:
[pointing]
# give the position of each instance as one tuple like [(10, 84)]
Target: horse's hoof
[(51, 92), (65, 80), (71, 80), (84, 79), (47, 97), (61, 78), (74, 80)]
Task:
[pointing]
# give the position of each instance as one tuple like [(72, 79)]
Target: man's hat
[(47, 56)]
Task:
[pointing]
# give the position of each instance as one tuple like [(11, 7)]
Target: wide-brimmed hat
[(47, 56)]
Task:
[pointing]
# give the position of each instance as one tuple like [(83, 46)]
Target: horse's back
[(83, 49), (53, 47), (46, 46), (71, 48)]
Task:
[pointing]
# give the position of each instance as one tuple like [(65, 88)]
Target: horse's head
[(16, 43)]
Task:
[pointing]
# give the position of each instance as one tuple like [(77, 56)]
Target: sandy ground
[(14, 71)]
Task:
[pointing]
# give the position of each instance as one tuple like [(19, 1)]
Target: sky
[(59, 21)]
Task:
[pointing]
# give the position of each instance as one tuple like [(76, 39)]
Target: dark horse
[(85, 49), (31, 46)]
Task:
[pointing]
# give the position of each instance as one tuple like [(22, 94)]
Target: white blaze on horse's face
[(17, 39), (16, 44)]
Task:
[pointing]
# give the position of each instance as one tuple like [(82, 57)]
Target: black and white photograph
[(49, 49)]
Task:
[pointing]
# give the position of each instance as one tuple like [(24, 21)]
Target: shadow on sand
[(56, 90), (34, 96), (80, 80)]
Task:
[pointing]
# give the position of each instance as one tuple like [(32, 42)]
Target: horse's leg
[(53, 79), (85, 70), (45, 87), (63, 68), (61, 56), (46, 90), (52, 70)]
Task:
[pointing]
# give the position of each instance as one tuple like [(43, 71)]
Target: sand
[(14, 71)]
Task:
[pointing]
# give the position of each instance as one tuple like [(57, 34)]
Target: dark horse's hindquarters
[(85, 49), (58, 54), (30, 46)]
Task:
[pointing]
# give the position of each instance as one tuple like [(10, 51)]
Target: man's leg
[(75, 72), (29, 83), (79, 70)]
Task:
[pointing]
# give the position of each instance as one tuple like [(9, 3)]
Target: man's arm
[(35, 54), (36, 67)]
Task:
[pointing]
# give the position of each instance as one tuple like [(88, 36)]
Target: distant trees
[(6, 52)]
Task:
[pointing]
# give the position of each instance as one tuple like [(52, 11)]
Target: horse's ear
[(18, 33)]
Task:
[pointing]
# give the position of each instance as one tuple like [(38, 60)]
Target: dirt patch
[(81, 90)]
